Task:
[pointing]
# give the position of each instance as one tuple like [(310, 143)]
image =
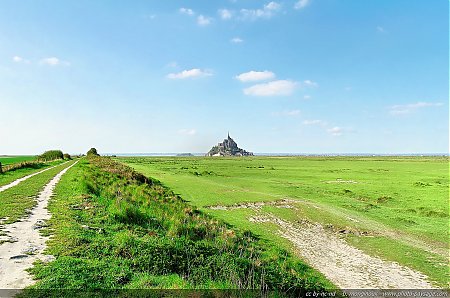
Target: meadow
[(237, 223), (7, 160), (114, 228), (395, 208)]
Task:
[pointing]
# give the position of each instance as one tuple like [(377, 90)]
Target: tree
[(92, 151)]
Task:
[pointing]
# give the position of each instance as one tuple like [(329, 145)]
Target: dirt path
[(344, 265), (373, 225), (382, 229), (15, 182), (26, 244)]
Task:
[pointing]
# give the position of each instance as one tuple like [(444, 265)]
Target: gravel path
[(25, 243), (344, 265), (15, 182)]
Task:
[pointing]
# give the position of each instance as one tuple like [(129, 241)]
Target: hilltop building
[(228, 148)]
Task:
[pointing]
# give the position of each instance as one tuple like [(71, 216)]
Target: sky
[(298, 76)]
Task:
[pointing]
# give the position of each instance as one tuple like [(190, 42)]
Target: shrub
[(92, 151), (67, 156), (51, 155)]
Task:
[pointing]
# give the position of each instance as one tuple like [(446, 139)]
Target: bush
[(51, 155), (67, 156), (92, 151)]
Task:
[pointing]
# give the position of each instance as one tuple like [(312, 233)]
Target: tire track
[(15, 182), (343, 264), (26, 244)]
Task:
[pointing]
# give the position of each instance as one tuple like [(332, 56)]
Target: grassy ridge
[(392, 207), (15, 201), (114, 228)]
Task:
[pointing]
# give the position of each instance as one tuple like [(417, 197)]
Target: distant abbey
[(228, 148)]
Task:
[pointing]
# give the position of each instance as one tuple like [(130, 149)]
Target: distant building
[(228, 148)]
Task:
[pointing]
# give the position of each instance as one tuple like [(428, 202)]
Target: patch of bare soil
[(344, 265), (338, 180), (24, 244), (283, 203)]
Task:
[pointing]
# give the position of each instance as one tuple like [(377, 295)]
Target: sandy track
[(344, 265), (15, 182), (26, 244)]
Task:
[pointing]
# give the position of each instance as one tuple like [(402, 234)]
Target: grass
[(116, 229), (402, 202), (7, 160), (17, 200), (10, 176)]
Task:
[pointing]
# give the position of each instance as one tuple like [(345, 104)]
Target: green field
[(114, 228), (10, 176), (392, 207), (7, 160)]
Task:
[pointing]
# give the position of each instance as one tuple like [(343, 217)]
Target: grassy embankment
[(392, 207), (15, 201), (116, 229)]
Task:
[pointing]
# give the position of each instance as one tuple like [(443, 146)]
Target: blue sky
[(304, 76)]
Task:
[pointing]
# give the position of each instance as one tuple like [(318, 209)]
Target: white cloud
[(287, 113), (187, 132), (18, 59), (267, 11), (301, 4), (309, 83), (315, 122), (274, 88), (292, 113), (150, 16), (236, 40), (191, 73), (335, 131), (409, 108), (203, 21), (380, 29), (187, 11), (306, 96), (53, 61), (253, 76), (225, 14), (272, 6)]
